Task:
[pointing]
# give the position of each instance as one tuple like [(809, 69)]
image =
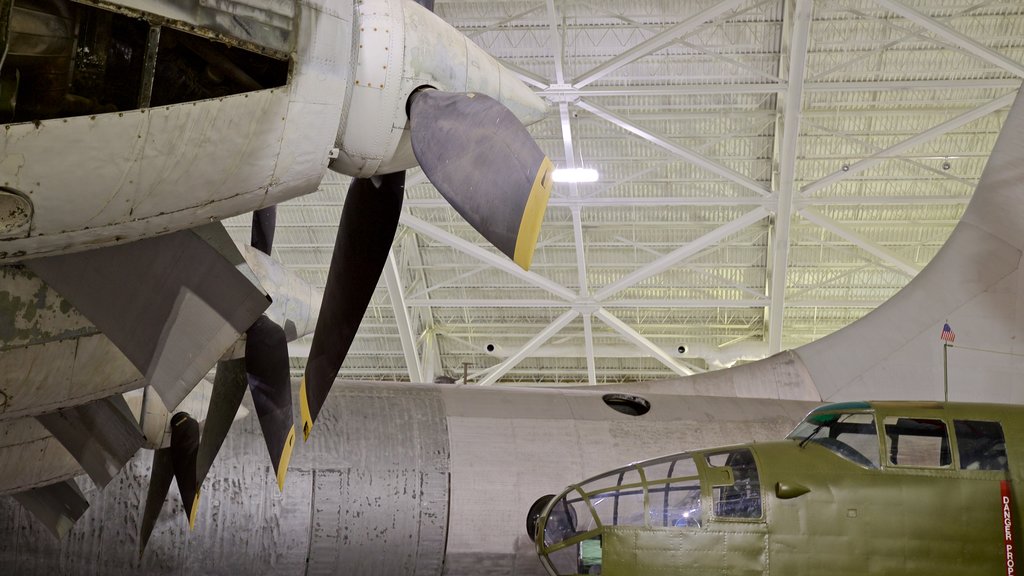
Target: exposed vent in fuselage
[(627, 404), (93, 61)]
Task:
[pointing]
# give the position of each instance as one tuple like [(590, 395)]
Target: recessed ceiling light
[(574, 175)]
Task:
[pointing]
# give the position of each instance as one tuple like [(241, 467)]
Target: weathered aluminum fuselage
[(74, 181), (404, 479)]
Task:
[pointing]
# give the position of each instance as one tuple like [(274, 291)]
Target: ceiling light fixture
[(574, 175)]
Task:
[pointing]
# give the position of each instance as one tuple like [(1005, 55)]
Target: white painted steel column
[(801, 26), (394, 284)]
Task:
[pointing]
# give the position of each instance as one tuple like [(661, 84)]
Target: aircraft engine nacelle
[(400, 47)]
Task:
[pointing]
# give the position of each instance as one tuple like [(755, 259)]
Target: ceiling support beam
[(430, 357), (588, 347), (487, 257), (599, 202), (574, 192), (395, 291), (887, 257), (656, 42), (970, 184), (526, 76), (644, 344), (625, 303), (556, 41), (687, 250), (893, 151), (425, 292), (947, 33), (567, 147), (577, 234), (497, 25), (543, 336), (559, 93), (684, 153), (432, 367), (789, 124)]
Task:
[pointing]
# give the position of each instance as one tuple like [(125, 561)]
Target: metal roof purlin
[(979, 50), (886, 256), (925, 136), (656, 42), (490, 258), (680, 151)]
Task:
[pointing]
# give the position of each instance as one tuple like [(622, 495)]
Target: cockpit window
[(674, 493), (741, 498), (981, 445), (622, 503), (917, 442), (850, 435)]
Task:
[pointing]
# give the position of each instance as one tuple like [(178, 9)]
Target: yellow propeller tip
[(533, 214), (286, 457), (307, 419), (193, 511)]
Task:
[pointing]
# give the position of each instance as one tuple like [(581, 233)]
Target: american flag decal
[(947, 333)]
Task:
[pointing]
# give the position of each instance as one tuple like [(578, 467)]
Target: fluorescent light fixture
[(574, 175)]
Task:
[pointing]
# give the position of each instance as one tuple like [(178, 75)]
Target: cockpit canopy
[(897, 435), (681, 492)]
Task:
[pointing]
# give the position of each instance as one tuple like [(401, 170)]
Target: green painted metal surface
[(893, 488)]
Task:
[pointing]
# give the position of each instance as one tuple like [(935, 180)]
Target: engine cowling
[(398, 48)]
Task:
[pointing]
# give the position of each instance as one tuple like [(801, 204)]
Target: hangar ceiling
[(770, 171)]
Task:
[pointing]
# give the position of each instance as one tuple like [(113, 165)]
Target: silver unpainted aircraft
[(438, 479), (169, 116), (432, 479)]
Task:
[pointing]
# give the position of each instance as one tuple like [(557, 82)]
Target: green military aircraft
[(860, 488)]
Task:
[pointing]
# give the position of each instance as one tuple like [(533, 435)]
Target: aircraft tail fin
[(975, 284)]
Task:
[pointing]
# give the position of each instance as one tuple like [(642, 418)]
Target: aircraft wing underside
[(160, 311)]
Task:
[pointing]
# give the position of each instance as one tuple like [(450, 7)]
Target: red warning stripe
[(1007, 506)]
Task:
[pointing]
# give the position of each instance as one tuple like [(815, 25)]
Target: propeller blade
[(226, 397), (264, 222), (184, 445), (269, 377), (367, 228), (484, 162), (160, 477)]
